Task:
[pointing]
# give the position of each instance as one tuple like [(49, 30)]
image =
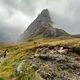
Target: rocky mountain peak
[(41, 27), (44, 16)]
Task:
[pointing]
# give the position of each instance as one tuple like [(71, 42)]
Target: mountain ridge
[(42, 26)]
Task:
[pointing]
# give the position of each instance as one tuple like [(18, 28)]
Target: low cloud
[(16, 15)]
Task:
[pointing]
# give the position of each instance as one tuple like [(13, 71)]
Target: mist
[(16, 15)]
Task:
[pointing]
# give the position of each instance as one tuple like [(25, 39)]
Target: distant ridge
[(42, 27), (76, 36)]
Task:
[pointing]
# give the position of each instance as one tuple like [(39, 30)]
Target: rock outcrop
[(56, 66), (42, 27)]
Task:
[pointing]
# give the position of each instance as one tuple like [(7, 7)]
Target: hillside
[(76, 36), (38, 59), (44, 53), (42, 27)]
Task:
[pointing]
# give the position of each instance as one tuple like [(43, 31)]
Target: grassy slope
[(20, 51)]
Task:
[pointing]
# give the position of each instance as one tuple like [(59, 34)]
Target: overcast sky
[(16, 15)]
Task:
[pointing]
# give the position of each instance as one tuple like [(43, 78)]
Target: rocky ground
[(57, 63), (34, 61)]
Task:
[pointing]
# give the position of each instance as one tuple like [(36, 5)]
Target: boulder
[(44, 56)]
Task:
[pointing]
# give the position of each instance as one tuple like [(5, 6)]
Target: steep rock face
[(42, 27)]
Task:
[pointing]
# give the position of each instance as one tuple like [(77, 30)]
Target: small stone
[(36, 55), (34, 66), (61, 48)]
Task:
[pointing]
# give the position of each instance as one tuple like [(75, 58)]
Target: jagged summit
[(42, 27), (44, 16)]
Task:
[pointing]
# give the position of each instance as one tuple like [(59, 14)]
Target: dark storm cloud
[(16, 15)]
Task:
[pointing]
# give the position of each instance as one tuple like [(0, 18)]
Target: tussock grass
[(19, 51)]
